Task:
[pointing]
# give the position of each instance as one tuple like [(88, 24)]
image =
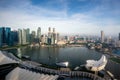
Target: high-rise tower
[(49, 32), (39, 32), (119, 36), (7, 35), (53, 30), (20, 36), (102, 37), (24, 36), (49, 40), (53, 36), (1, 37), (28, 35)]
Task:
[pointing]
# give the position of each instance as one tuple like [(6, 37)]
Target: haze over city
[(67, 16)]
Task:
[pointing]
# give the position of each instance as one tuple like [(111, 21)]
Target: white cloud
[(27, 15)]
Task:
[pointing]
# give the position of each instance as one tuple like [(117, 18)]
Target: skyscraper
[(20, 36), (49, 33), (49, 36), (32, 37), (1, 36), (44, 39), (33, 34), (39, 33), (4, 35), (7, 35), (57, 36), (119, 36), (49, 30), (24, 36), (102, 37), (27, 35), (14, 37), (53, 36), (53, 30)]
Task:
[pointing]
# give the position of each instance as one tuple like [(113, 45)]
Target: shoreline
[(62, 46), (47, 66), (13, 47), (18, 46)]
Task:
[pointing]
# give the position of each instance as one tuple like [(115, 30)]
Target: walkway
[(40, 69), (61, 73)]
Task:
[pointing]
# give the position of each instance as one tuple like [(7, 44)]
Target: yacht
[(63, 64)]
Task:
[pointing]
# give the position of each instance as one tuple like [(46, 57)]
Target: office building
[(28, 35), (43, 39), (24, 36), (102, 37), (66, 38), (49, 33), (4, 36), (32, 37), (19, 36), (49, 40), (33, 34), (7, 35), (49, 29), (119, 36), (57, 37), (53, 30), (53, 38), (39, 33), (1, 37), (13, 38)]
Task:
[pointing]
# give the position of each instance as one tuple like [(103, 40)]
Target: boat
[(63, 64), (94, 65), (92, 47), (76, 68), (26, 57)]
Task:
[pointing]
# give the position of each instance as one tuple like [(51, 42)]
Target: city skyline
[(68, 16)]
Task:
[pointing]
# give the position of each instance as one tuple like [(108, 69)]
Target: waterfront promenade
[(111, 66), (33, 66), (61, 73)]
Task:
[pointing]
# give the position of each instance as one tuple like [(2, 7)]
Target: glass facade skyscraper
[(39, 32), (23, 36), (20, 36), (1, 35), (7, 35), (28, 35), (4, 36), (13, 38), (119, 36)]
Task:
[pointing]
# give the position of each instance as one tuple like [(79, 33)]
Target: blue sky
[(67, 16)]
